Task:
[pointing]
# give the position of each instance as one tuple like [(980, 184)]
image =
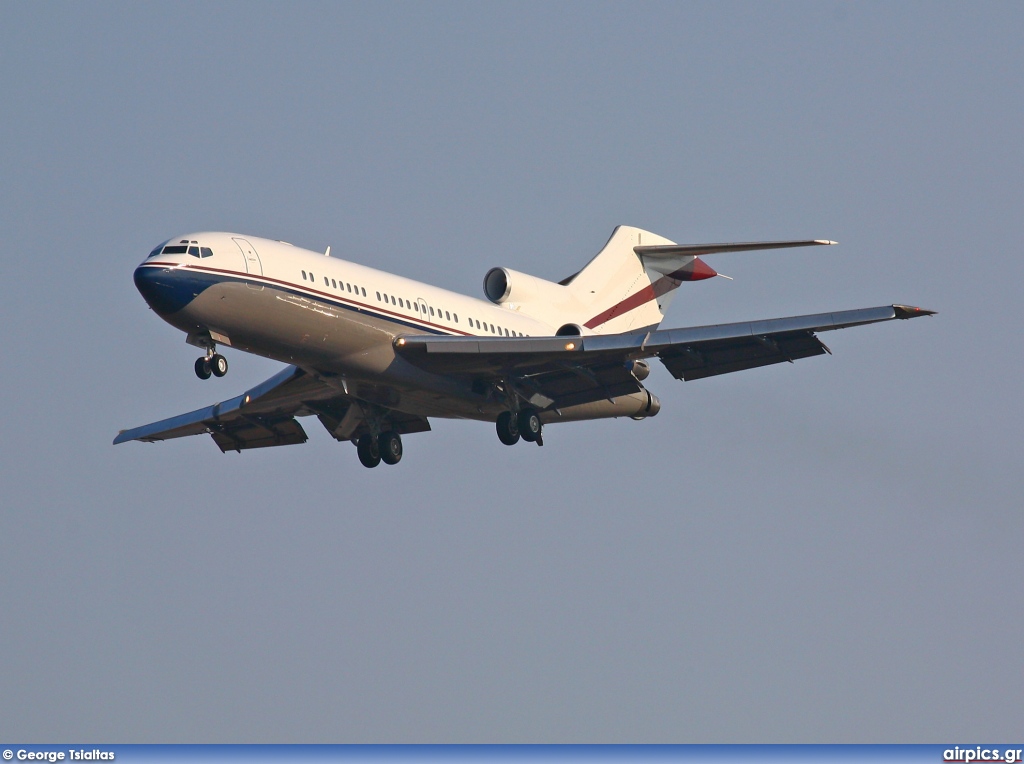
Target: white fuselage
[(334, 318)]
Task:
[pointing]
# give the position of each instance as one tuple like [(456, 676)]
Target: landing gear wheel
[(219, 365), (508, 428), (203, 369), (369, 455), (529, 425), (389, 444)]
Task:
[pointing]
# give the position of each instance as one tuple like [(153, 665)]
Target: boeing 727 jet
[(374, 356)]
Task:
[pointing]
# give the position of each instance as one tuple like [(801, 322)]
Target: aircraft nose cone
[(162, 289)]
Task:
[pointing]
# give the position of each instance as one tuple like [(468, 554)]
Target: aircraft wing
[(266, 416), (574, 370)]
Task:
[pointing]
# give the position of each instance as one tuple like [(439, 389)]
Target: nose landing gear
[(214, 364)]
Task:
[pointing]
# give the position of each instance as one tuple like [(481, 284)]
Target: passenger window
[(447, 316), (364, 292), (326, 282), (348, 287), (456, 317), (392, 299), (492, 328), (312, 277), (401, 303), (431, 311), (303, 275), (205, 252), (378, 296)]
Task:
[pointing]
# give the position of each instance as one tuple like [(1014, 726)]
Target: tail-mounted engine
[(504, 285)]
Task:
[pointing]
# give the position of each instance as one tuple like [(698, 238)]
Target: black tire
[(508, 428), (366, 447), (389, 444), (219, 365), (529, 425), (203, 369)]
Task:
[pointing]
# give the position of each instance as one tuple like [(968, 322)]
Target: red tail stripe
[(694, 271)]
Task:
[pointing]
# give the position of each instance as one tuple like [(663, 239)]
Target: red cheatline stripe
[(635, 300)]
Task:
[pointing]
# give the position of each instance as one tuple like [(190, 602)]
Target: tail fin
[(625, 290)]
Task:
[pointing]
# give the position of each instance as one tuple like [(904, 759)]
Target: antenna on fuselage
[(328, 252)]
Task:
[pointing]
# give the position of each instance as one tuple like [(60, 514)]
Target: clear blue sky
[(828, 551)]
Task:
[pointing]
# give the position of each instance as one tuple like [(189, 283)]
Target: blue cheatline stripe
[(187, 289), (139, 754)]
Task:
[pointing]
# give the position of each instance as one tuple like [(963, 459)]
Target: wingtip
[(825, 241), (909, 311)]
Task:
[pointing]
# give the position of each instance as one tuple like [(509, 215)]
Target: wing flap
[(708, 359), (257, 432)]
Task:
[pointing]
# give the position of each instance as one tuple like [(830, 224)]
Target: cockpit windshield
[(181, 248)]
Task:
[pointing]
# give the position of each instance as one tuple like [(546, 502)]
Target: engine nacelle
[(651, 409), (504, 285), (641, 370)]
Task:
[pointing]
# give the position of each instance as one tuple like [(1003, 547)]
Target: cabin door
[(252, 262)]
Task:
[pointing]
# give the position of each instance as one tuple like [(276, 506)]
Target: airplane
[(374, 356)]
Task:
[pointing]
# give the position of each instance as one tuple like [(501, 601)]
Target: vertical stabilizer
[(623, 291)]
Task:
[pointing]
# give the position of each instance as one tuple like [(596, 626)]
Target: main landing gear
[(386, 447), (213, 363), (525, 424)]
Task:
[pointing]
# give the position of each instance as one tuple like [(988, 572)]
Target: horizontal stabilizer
[(669, 250)]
